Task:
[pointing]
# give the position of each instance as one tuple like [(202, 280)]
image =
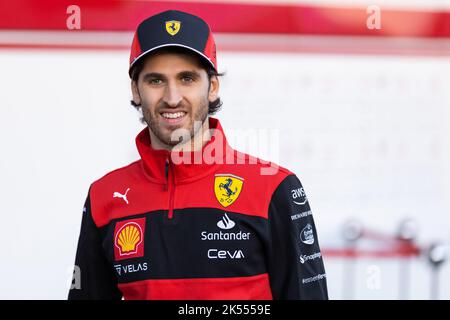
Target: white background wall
[(367, 135)]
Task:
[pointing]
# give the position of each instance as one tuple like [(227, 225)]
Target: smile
[(173, 117), (176, 115)]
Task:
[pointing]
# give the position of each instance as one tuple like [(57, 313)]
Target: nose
[(172, 96)]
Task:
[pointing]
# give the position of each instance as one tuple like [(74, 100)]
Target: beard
[(153, 118)]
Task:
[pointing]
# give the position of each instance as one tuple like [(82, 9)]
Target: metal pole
[(348, 286), (434, 288), (404, 279), (437, 255), (352, 232), (406, 233)]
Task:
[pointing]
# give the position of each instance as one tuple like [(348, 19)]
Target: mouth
[(173, 118)]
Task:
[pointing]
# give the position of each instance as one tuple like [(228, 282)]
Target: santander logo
[(226, 223)]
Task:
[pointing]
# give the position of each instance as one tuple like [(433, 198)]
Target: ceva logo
[(225, 254)]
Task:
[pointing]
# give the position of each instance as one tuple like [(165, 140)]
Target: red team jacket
[(157, 229)]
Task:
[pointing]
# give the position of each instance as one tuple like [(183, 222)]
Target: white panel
[(367, 135)]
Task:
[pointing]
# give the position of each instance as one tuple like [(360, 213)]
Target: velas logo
[(129, 239), (227, 188), (172, 27)]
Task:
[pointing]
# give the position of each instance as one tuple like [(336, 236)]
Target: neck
[(196, 143)]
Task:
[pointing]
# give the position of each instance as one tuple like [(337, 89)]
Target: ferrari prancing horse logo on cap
[(172, 27)]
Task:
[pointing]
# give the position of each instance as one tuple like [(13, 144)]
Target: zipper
[(170, 185)]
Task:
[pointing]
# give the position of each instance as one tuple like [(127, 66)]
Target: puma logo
[(123, 196)]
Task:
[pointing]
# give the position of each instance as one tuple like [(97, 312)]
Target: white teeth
[(173, 115)]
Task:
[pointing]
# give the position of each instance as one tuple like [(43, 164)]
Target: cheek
[(201, 97), (149, 100)]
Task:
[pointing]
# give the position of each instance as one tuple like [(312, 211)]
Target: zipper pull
[(166, 174)]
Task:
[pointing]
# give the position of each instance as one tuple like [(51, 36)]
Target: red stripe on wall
[(397, 253), (97, 15), (65, 40)]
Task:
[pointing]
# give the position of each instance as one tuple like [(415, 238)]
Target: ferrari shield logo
[(227, 188), (172, 27)]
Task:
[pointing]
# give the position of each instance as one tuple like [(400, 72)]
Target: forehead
[(171, 62)]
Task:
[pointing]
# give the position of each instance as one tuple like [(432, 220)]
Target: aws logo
[(129, 239)]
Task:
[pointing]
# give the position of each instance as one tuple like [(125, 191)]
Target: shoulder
[(117, 174), (262, 180), (263, 171), (102, 190)]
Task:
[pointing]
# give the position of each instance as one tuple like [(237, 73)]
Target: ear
[(213, 89), (135, 92)]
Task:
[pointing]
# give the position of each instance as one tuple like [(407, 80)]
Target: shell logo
[(129, 236)]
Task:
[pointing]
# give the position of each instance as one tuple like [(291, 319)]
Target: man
[(193, 218)]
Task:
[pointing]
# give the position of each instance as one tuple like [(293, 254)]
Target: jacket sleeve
[(93, 276), (296, 269)]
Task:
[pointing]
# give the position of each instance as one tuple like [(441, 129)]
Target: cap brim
[(170, 45)]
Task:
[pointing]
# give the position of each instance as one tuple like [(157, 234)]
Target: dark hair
[(139, 65)]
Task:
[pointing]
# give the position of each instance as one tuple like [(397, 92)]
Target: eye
[(155, 81), (187, 79)]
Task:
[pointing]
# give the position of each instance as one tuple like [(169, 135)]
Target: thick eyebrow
[(152, 75), (192, 74)]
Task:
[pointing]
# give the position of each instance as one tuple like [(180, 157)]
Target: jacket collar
[(185, 166)]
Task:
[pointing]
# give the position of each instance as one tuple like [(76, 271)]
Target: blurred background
[(352, 95)]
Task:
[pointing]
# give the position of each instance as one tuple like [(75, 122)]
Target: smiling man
[(193, 218), (174, 88)]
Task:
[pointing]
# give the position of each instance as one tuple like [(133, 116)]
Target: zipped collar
[(155, 162)]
